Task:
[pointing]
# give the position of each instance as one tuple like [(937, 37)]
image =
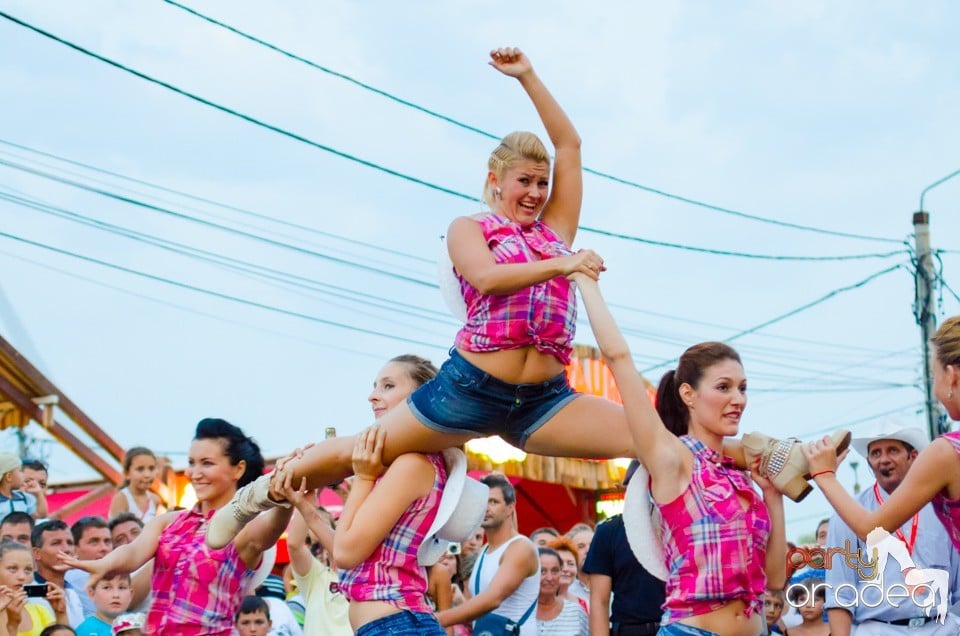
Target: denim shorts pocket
[(461, 379)]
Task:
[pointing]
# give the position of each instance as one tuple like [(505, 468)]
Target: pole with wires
[(925, 312), (924, 306)]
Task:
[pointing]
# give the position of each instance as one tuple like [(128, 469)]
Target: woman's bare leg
[(588, 426), (325, 463), (329, 461)]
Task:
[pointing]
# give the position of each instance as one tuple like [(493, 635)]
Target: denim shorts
[(467, 400), (679, 629), (405, 623)]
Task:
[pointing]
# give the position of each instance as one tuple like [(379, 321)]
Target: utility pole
[(925, 312), (924, 307)]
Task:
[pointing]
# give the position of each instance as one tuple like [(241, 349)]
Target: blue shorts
[(467, 400), (402, 624), (679, 629)]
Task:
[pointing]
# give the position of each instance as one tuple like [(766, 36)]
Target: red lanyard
[(899, 532)]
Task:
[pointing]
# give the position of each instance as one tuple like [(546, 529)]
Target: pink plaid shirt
[(715, 547), (948, 510), (196, 590), (392, 573), (543, 315)]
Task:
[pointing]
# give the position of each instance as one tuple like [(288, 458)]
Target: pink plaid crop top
[(543, 315), (948, 510), (196, 590), (391, 573), (715, 547)]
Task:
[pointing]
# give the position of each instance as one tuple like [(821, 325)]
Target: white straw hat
[(642, 524), (460, 512), (891, 429)]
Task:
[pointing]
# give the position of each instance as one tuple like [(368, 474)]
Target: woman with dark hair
[(196, 589), (724, 545)]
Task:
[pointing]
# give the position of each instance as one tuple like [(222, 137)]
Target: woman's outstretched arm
[(562, 211), (126, 558), (936, 468), (657, 448)]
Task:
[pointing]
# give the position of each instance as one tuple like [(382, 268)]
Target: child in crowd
[(35, 483), (129, 624), (18, 613), (12, 497), (253, 617), (58, 630), (283, 622), (139, 472), (772, 609), (111, 596), (809, 598)]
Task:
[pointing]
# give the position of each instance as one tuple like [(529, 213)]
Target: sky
[(264, 273)]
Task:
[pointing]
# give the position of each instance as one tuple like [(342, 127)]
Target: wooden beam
[(71, 441), (45, 387)]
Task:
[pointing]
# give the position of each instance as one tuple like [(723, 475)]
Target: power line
[(768, 257), (285, 277), (371, 164), (186, 309), (233, 264), (474, 129), (215, 294), (219, 204), (236, 113), (89, 188), (298, 281), (273, 275), (793, 312), (211, 224)]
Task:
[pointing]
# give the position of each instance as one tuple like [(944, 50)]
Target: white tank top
[(145, 515), (517, 604)]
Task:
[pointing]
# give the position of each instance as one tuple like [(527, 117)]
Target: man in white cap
[(878, 606), (506, 576)]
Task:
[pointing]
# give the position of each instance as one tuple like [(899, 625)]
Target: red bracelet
[(822, 472)]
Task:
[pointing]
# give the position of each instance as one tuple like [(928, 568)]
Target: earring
[(949, 394), (497, 192)]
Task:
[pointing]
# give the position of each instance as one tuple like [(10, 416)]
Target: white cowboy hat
[(462, 506), (267, 561), (643, 530), (450, 284), (891, 429)]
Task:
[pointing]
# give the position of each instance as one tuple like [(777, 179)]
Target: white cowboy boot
[(246, 504), (782, 461)]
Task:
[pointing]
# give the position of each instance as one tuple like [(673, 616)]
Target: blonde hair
[(514, 148), (946, 341)]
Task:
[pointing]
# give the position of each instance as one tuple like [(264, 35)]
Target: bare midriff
[(369, 611), (526, 365), (729, 620)]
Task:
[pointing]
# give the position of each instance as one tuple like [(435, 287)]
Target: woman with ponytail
[(196, 589), (724, 544)]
